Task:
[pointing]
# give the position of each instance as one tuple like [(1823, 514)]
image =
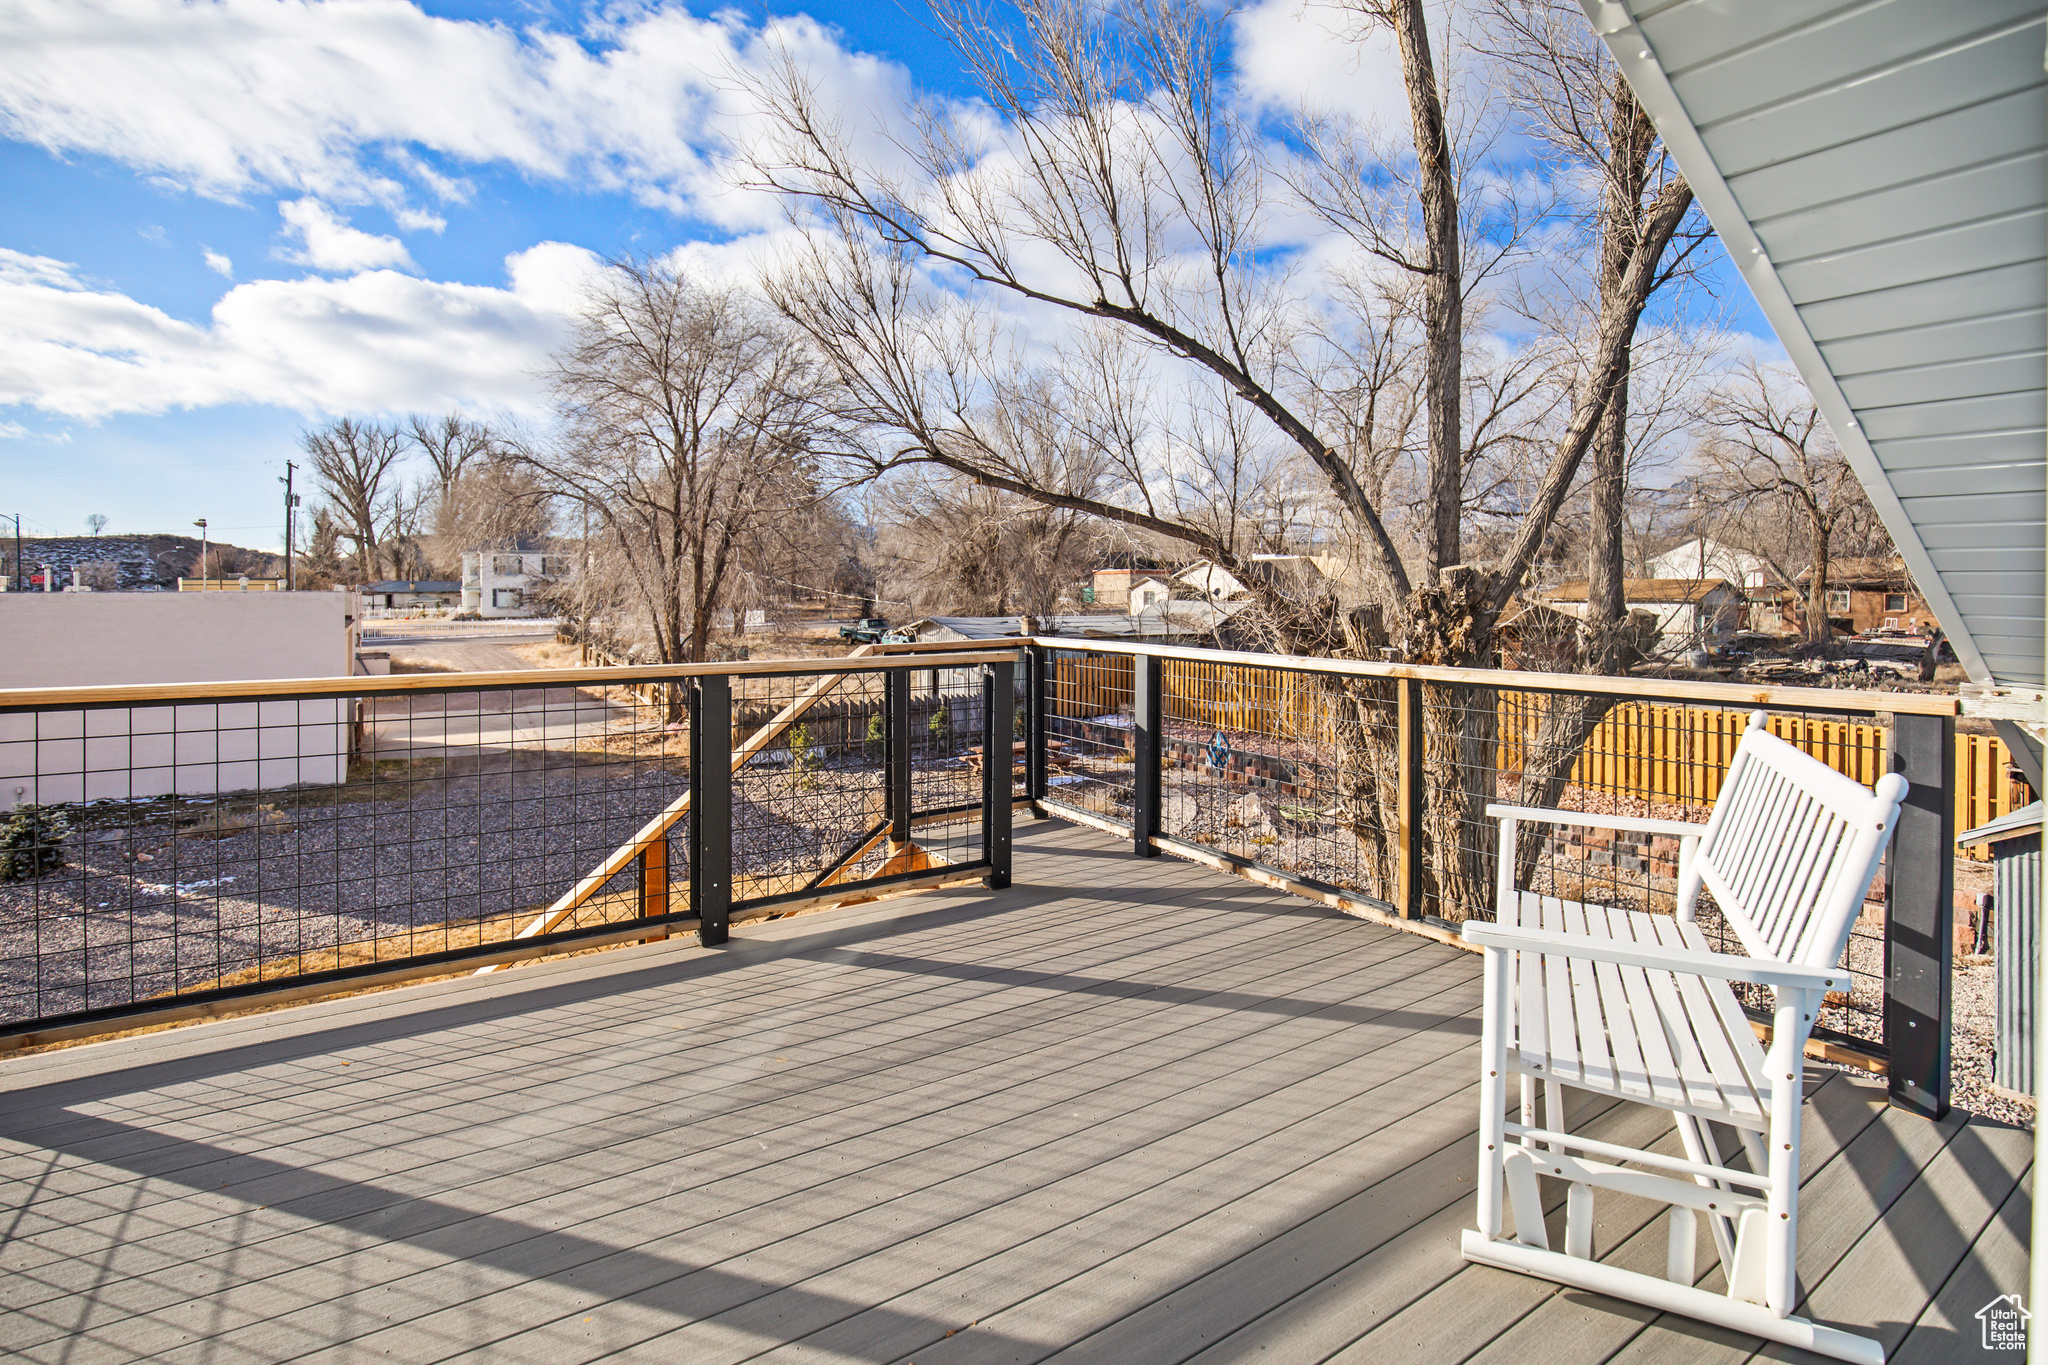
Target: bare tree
[(1769, 447), (96, 523), (953, 545), (450, 443), (1121, 189), (1636, 220), (689, 417), (353, 465)]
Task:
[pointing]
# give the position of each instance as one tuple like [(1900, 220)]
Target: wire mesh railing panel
[(157, 851), (1290, 770), (1087, 701), (824, 803), (160, 850)]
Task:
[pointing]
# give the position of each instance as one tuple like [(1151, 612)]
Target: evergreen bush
[(31, 842)]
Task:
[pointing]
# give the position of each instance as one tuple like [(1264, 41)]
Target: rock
[(1249, 813), (1177, 810)]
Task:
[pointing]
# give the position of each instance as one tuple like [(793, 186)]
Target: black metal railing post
[(1034, 727), (1919, 921), (896, 755), (998, 710), (711, 807), (1146, 675)]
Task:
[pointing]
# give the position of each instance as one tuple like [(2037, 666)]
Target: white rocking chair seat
[(1653, 1029)]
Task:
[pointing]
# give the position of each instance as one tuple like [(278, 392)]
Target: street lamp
[(201, 524)]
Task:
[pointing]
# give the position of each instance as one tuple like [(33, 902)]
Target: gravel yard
[(166, 895)]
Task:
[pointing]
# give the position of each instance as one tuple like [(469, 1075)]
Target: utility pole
[(201, 524), (291, 517), (14, 583)]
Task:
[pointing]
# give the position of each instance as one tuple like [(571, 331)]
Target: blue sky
[(224, 222)]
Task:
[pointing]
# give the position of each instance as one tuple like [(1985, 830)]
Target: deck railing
[(215, 843), (180, 850), (1366, 785)]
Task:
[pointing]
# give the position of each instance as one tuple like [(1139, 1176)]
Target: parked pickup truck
[(866, 631)]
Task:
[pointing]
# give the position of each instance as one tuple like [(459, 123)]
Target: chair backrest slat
[(1790, 850)]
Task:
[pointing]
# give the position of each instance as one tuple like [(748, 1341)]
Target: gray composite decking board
[(1193, 1218), (1852, 1194), (1172, 1129), (1352, 1293), (1632, 1233), (1135, 1111), (1225, 1274), (1996, 1265), (1948, 1206)]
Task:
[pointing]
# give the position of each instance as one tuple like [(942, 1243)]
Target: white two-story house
[(498, 583)]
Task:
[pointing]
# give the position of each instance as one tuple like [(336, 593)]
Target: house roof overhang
[(1876, 173)]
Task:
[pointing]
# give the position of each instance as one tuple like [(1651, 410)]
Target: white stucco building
[(497, 583)]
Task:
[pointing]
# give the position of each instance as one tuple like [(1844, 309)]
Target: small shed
[(2015, 840)]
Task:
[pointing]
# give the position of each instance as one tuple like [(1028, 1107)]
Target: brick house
[(1866, 594)]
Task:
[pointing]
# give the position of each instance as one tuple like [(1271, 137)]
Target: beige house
[(1688, 611)]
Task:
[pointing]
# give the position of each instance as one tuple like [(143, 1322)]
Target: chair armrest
[(1676, 829), (1761, 971)]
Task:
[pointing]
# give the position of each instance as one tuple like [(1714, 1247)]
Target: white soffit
[(1878, 170)]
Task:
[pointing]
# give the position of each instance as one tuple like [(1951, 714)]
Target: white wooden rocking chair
[(1639, 1007)]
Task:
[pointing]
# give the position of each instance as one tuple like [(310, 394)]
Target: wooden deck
[(1128, 1111)]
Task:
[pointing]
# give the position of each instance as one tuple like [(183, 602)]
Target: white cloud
[(374, 342), (348, 102), (1292, 57), (328, 243), (419, 220), (218, 263), (14, 431)]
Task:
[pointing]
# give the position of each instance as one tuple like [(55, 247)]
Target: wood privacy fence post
[(711, 807), (1919, 937), (1409, 852), (1145, 752), (653, 862), (998, 709)]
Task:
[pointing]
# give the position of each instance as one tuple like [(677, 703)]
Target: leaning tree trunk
[(1451, 624), (1363, 715)]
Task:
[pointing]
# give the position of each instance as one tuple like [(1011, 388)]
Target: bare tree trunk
[(1818, 627), (1443, 299)]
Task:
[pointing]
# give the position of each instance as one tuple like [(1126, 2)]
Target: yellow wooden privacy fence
[(1652, 750)]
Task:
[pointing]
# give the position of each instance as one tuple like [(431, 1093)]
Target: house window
[(1895, 601), (506, 599), (554, 566), (506, 566), (1838, 600)]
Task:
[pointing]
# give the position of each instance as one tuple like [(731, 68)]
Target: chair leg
[(1578, 1221), (1679, 1267), (1786, 1062), (1700, 1146), (1525, 1196), (1493, 1094)]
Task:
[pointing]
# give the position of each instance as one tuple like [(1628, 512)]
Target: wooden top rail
[(1732, 695), (285, 689)]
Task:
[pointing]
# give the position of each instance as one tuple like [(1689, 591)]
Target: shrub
[(804, 758), (876, 745), (31, 842)]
